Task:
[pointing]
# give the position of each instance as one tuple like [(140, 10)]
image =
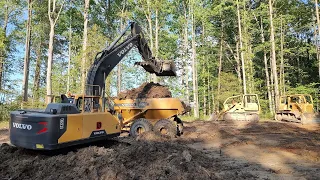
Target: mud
[(146, 90), (4, 135), (206, 150)]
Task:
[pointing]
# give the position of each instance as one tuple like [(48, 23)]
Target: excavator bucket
[(160, 68)]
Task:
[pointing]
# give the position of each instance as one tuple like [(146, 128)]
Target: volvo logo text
[(124, 50), (22, 126)]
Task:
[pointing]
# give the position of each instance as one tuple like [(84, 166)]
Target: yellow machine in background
[(241, 108), (297, 108)]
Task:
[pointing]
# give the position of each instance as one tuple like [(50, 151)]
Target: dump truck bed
[(152, 109)]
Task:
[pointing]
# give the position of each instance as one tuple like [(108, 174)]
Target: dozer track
[(241, 116)]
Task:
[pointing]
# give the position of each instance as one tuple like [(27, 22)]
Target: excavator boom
[(107, 59)]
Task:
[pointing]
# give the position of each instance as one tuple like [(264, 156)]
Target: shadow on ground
[(287, 149)]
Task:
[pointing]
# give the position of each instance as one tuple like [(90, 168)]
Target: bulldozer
[(240, 108), (297, 108), (88, 117)]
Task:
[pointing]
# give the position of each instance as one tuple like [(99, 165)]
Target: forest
[(221, 48)]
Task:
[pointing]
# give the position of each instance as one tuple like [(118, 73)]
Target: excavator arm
[(107, 59)]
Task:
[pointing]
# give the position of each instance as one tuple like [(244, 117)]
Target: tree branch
[(55, 21)]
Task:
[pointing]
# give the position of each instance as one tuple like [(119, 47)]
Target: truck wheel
[(140, 126), (165, 127)]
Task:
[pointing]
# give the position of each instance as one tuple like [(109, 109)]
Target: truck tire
[(165, 127), (139, 126)]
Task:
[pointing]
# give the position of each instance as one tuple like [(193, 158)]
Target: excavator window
[(308, 99), (283, 100), (79, 104), (91, 104), (251, 99), (296, 99)]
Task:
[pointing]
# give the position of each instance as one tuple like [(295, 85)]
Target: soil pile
[(206, 150), (146, 90), (121, 160)]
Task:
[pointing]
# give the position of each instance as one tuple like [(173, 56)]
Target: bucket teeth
[(160, 68)]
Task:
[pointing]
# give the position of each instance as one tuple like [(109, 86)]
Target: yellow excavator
[(297, 108), (89, 117)]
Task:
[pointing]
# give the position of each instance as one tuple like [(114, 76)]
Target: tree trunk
[(194, 67), (186, 59), (272, 88), (220, 63), (241, 50), (49, 66), (148, 15), (27, 54), (208, 86), (36, 81), (238, 63), (251, 88), (157, 35), (266, 69), (282, 78), (53, 21), (156, 79), (273, 57), (317, 39), (69, 60), (84, 45), (204, 73)]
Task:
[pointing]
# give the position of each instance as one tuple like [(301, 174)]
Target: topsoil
[(146, 90), (206, 150)]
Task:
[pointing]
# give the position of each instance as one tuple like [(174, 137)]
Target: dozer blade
[(305, 118), (160, 68)]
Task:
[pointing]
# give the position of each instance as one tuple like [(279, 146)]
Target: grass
[(4, 124)]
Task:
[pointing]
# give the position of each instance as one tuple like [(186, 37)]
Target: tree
[(9, 13), (194, 63), (273, 56), (241, 50), (53, 15), (84, 46), (317, 41), (27, 53)]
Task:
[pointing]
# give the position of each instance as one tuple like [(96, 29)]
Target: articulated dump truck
[(79, 119)]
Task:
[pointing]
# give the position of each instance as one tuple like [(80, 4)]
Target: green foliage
[(5, 110)]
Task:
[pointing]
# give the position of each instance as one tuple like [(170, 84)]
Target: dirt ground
[(146, 90), (206, 150)]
